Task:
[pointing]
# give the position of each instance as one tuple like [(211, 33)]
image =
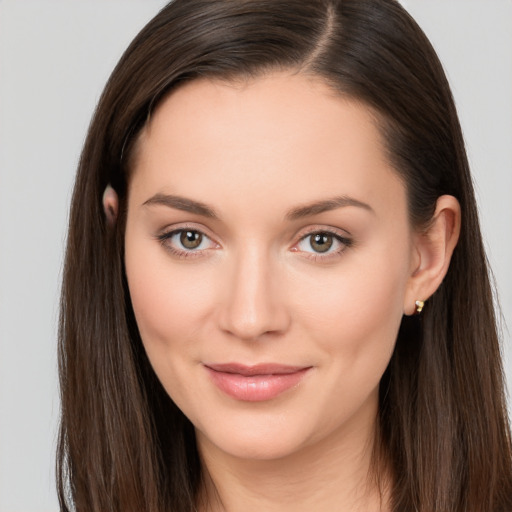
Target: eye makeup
[(317, 243)]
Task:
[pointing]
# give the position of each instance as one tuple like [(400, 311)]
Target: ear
[(433, 249), (110, 204)]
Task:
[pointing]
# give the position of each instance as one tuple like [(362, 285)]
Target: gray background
[(55, 57)]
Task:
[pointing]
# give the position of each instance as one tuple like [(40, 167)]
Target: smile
[(255, 383)]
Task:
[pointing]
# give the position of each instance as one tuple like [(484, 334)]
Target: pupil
[(321, 242), (191, 239)]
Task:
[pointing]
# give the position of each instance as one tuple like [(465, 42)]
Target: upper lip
[(257, 369)]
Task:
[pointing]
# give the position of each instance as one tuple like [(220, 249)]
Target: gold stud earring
[(419, 306)]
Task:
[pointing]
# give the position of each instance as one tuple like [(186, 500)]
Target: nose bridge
[(254, 304)]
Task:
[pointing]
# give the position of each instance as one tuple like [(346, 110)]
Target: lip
[(256, 383)]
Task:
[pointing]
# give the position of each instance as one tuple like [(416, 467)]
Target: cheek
[(170, 302), (170, 306), (357, 309), (353, 317)]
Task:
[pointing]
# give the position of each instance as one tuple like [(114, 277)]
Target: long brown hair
[(443, 424)]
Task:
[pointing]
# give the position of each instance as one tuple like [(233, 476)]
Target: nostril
[(250, 322), (253, 304)]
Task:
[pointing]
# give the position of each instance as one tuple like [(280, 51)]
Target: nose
[(254, 305)]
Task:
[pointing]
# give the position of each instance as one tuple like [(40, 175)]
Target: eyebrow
[(182, 203), (325, 206), (191, 206)]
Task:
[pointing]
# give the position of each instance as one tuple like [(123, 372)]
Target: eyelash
[(165, 238), (344, 242)]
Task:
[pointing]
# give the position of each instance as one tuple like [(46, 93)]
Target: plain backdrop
[(55, 57)]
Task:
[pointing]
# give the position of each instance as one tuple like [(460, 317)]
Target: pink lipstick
[(255, 383)]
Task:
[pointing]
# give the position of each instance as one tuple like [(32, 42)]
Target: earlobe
[(434, 248), (110, 204)]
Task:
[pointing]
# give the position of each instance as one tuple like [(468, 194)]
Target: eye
[(183, 242), (190, 239), (323, 242)]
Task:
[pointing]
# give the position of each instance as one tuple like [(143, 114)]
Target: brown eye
[(191, 239), (187, 243), (321, 242)]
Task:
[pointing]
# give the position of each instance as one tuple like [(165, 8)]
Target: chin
[(258, 449), (263, 440)]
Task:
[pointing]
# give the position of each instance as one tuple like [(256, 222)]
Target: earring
[(419, 306)]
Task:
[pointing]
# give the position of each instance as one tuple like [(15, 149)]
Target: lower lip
[(255, 388)]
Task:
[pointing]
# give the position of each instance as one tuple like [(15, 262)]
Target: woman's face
[(268, 256)]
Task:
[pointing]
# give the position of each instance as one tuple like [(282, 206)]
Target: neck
[(334, 474)]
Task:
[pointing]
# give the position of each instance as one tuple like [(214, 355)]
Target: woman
[(275, 294)]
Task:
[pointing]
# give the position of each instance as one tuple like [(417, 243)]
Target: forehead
[(283, 131)]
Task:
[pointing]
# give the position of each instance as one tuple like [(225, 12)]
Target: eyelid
[(322, 228), (164, 236), (180, 226), (341, 235)]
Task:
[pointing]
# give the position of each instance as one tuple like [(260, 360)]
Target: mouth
[(256, 383)]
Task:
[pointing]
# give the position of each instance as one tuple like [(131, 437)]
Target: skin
[(257, 291)]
